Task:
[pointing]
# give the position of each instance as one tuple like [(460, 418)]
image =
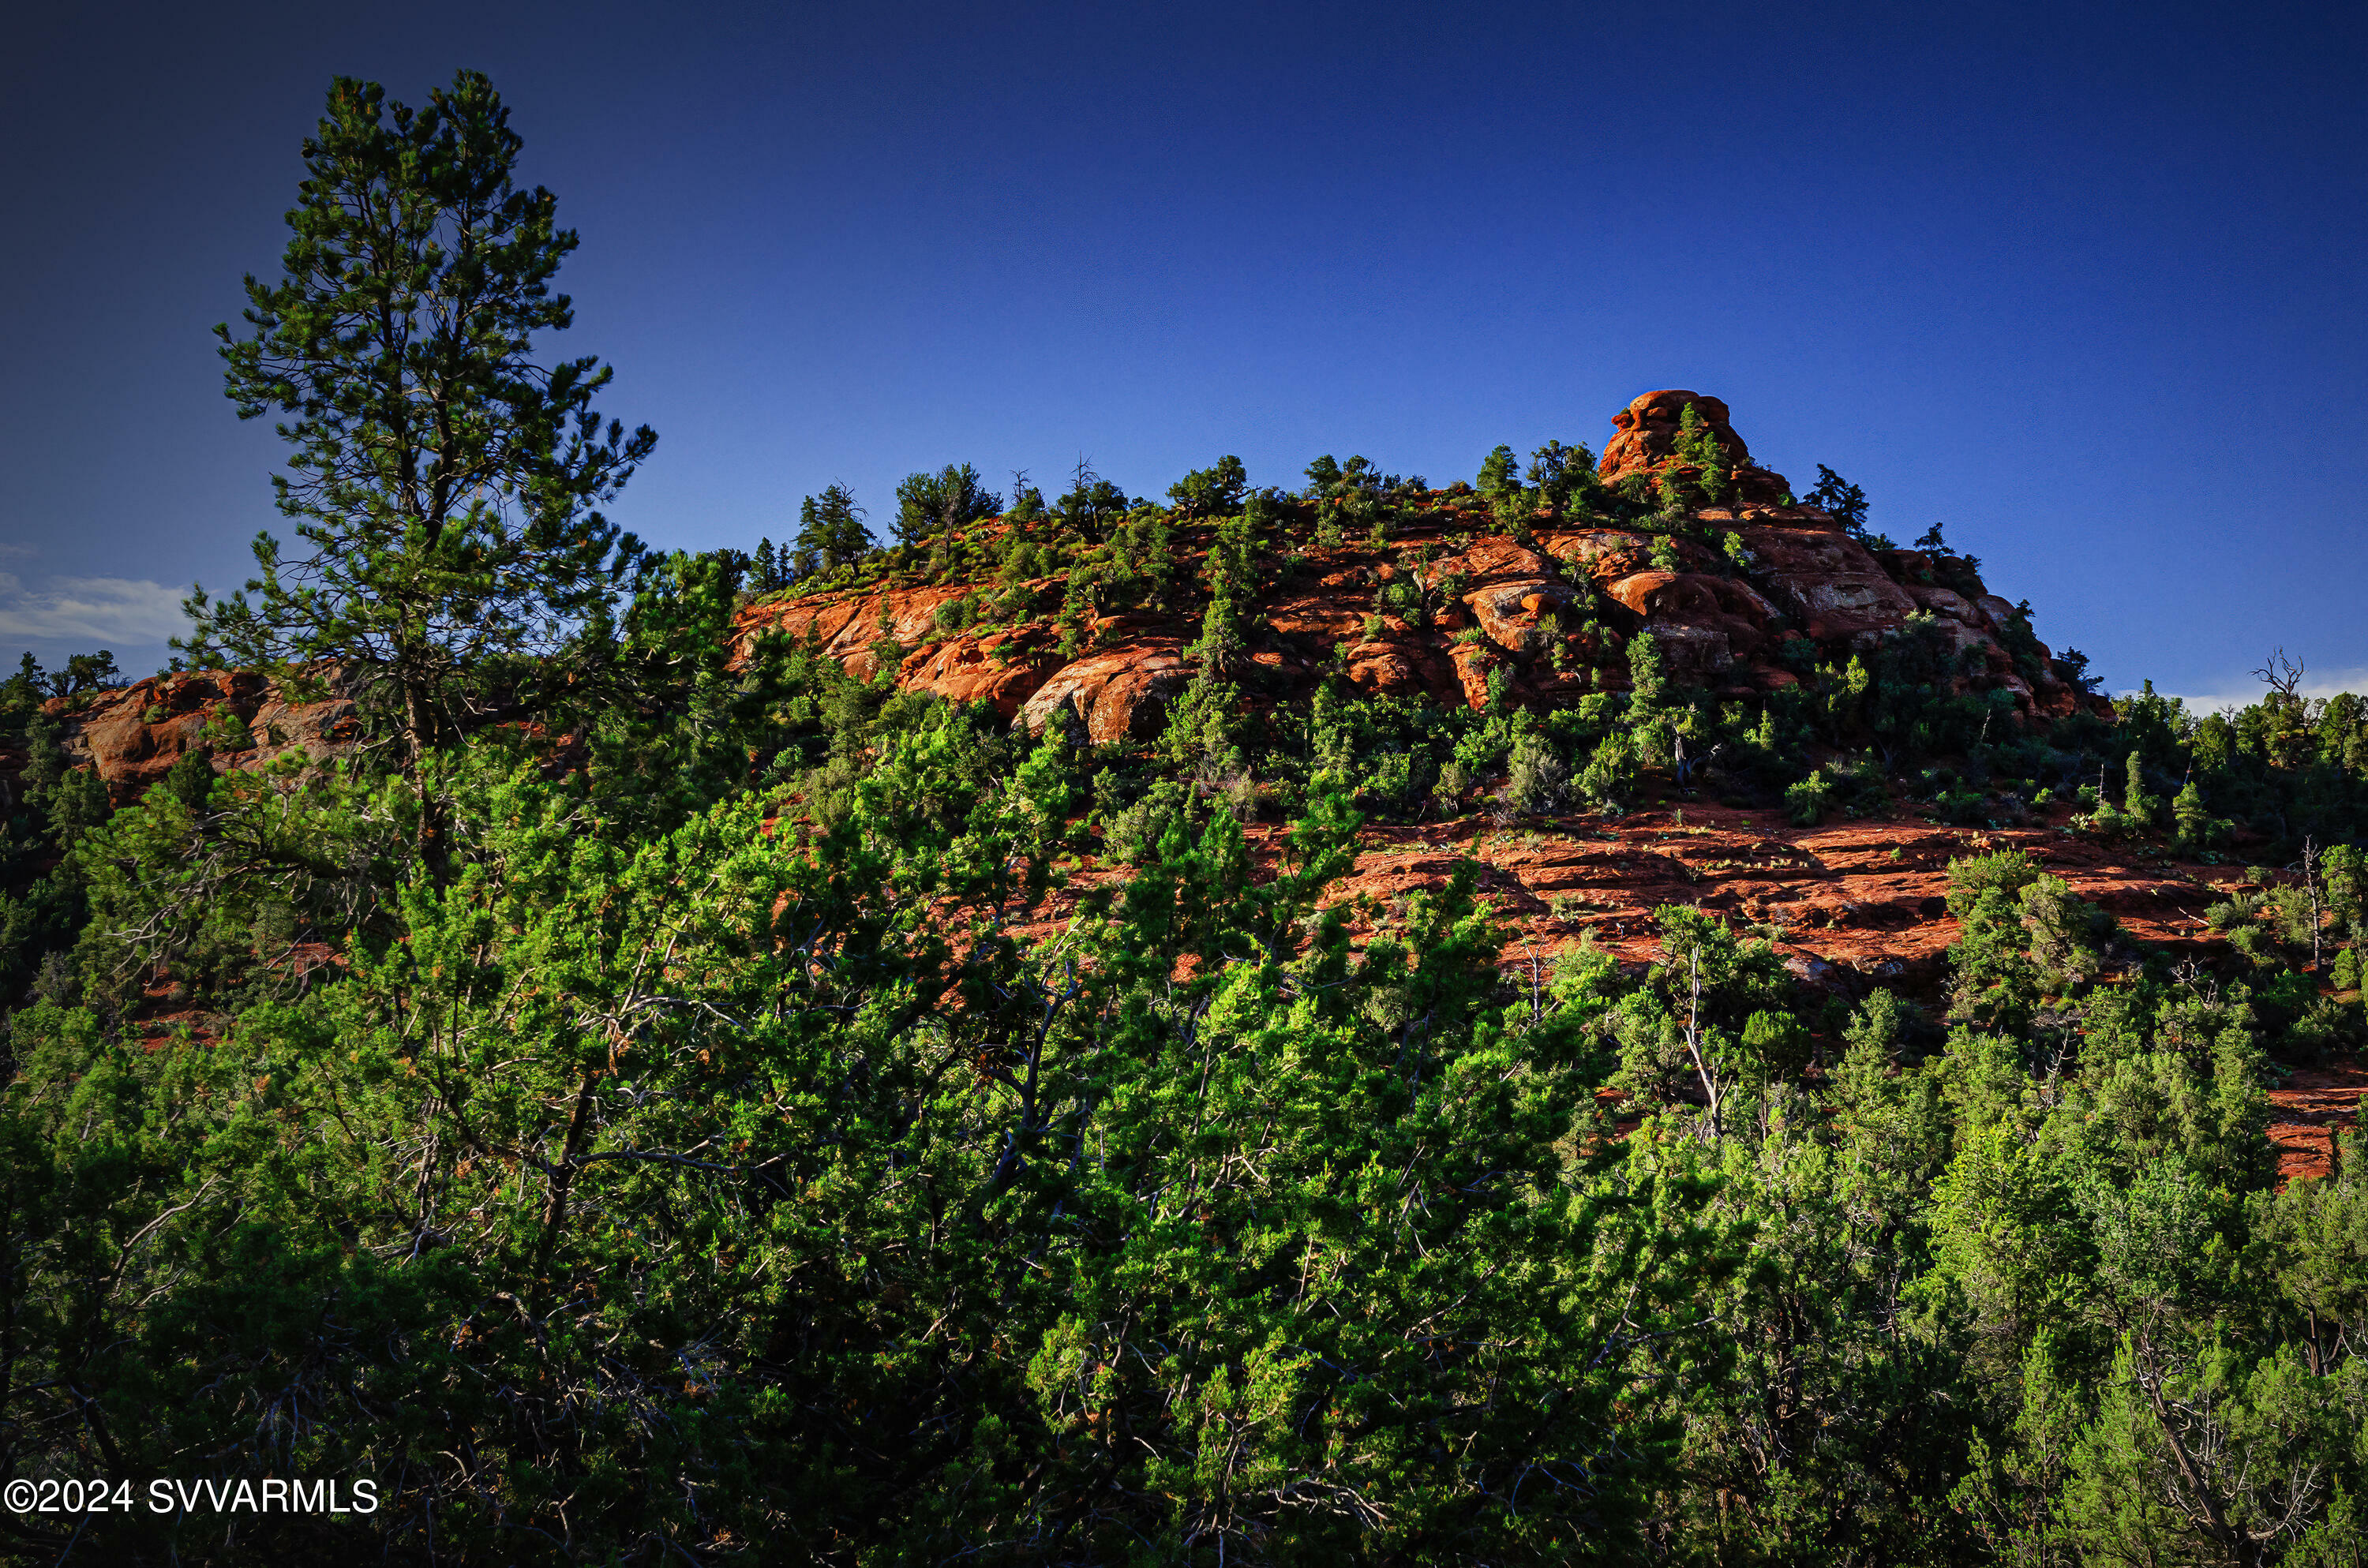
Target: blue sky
[(2081, 283)]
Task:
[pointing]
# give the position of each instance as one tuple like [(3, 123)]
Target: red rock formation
[(848, 627), (1000, 669), (133, 735), (1719, 620), (1122, 695), (1827, 583), (1647, 443)]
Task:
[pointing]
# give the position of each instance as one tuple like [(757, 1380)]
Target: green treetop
[(830, 532), (930, 506), (444, 480), (1498, 473), (1837, 497)]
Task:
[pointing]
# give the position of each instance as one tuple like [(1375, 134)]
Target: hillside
[(1459, 613), (1608, 1013), (1449, 589), (1458, 601)]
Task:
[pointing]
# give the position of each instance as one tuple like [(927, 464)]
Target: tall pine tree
[(445, 482)]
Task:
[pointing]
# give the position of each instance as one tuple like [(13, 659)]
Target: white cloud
[(90, 612), (2315, 684)]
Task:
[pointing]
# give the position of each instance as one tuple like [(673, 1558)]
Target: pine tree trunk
[(419, 737)]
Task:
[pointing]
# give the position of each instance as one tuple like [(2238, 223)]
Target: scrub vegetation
[(666, 1096)]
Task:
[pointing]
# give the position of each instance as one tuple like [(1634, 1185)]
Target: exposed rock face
[(1551, 609), (847, 627), (1397, 667), (132, 736), (997, 669), (1648, 431), (1120, 696), (1834, 590), (1647, 443), (1703, 623)]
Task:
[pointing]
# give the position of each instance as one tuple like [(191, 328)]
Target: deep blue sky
[(2082, 283)]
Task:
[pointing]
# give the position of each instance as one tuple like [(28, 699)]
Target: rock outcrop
[(1538, 615), (1646, 444), (1122, 695), (132, 735)]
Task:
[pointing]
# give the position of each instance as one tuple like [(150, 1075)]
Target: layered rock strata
[(1794, 588), (132, 735)]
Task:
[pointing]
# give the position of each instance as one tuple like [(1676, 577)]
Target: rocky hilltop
[(1749, 595), (1472, 602), (1459, 600), (132, 735)]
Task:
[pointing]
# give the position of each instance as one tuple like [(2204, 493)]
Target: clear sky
[(2081, 283)]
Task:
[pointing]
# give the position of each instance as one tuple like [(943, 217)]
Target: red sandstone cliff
[(1724, 621), (132, 735)]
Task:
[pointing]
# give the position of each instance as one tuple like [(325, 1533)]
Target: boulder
[(1666, 599), (1692, 649), (1944, 603), (1384, 669), (1119, 695), (1511, 612), (1995, 610), (1472, 666), (977, 669), (1586, 547)]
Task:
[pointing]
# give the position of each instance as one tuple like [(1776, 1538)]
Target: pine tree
[(1498, 474), (2194, 822), (1648, 677), (1562, 475), (1091, 504), (830, 533), (930, 506), (2139, 805), (444, 480), (1840, 499), (1212, 492), (1232, 583), (1699, 447)]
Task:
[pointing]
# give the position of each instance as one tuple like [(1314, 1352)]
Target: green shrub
[(1610, 777), (226, 730), (1135, 833), (2139, 806), (955, 614), (1540, 779), (1963, 807), (1808, 800), (1778, 1042), (1454, 783)]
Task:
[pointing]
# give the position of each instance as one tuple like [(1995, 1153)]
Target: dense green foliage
[(791, 1119), (700, 1167)]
